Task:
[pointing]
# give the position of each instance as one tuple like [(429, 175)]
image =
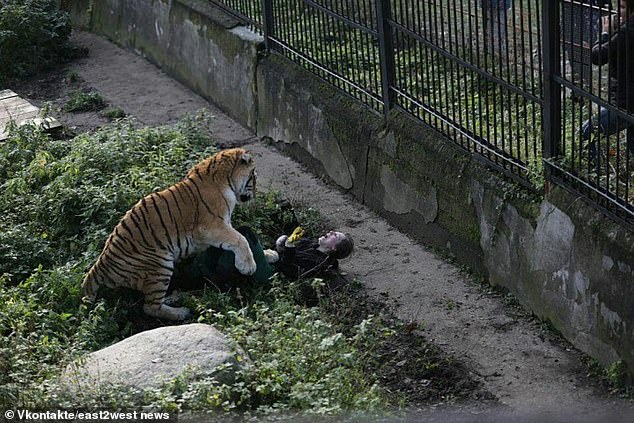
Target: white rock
[(150, 358)]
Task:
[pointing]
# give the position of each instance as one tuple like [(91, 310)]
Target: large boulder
[(150, 358)]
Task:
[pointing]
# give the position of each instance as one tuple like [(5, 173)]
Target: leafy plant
[(299, 361), (113, 112), (72, 76), (81, 101), (60, 199), (34, 34)]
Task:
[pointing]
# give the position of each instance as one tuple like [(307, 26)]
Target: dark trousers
[(607, 123), (217, 266)]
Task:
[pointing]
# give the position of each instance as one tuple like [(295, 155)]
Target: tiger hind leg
[(174, 298), (163, 311), (89, 288), (155, 304)]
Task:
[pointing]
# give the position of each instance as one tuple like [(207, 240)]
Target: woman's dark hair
[(343, 248)]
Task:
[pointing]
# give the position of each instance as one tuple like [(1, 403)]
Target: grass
[(321, 354), (82, 101), (614, 377), (113, 113)]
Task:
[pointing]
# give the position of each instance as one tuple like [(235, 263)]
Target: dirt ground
[(531, 372)]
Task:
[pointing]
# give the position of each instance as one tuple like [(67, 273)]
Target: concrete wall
[(559, 256), (189, 39)]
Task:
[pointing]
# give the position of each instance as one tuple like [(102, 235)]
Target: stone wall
[(561, 258), (189, 39)]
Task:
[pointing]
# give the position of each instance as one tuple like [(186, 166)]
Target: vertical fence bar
[(386, 52), (552, 89), (267, 22)]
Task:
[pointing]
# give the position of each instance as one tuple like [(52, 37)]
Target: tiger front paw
[(246, 265)]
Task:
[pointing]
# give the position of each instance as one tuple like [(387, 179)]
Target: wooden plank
[(21, 117), (48, 123), (11, 113), (20, 110), (7, 94), (13, 107), (10, 102), (16, 108)]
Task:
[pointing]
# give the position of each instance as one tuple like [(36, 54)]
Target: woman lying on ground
[(295, 257)]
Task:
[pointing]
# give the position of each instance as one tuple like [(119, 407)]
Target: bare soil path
[(524, 366)]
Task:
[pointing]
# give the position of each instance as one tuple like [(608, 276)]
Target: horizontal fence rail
[(516, 82)]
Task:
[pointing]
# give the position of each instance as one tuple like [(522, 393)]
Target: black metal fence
[(591, 102), (516, 82)]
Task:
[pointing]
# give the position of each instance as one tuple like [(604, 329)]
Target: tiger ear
[(246, 158)]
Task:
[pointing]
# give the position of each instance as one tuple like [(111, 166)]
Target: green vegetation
[(82, 101), (615, 377), (72, 76), (33, 36), (301, 361), (59, 200), (113, 112)]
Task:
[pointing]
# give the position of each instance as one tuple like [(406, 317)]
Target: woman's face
[(623, 8), (329, 241)]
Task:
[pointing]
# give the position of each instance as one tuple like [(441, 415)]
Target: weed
[(614, 377), (451, 304), (59, 200), (80, 101), (72, 76), (617, 374), (113, 113), (511, 300), (300, 361)]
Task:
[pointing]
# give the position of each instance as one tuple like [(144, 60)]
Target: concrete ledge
[(562, 259)]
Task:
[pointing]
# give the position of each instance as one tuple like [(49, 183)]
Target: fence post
[(552, 89), (386, 52), (267, 22)]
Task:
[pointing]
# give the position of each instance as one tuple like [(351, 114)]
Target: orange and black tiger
[(169, 225)]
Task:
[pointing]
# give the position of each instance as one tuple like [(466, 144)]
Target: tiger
[(170, 225)]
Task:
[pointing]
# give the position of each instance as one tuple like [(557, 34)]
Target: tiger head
[(234, 167), (244, 178)]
